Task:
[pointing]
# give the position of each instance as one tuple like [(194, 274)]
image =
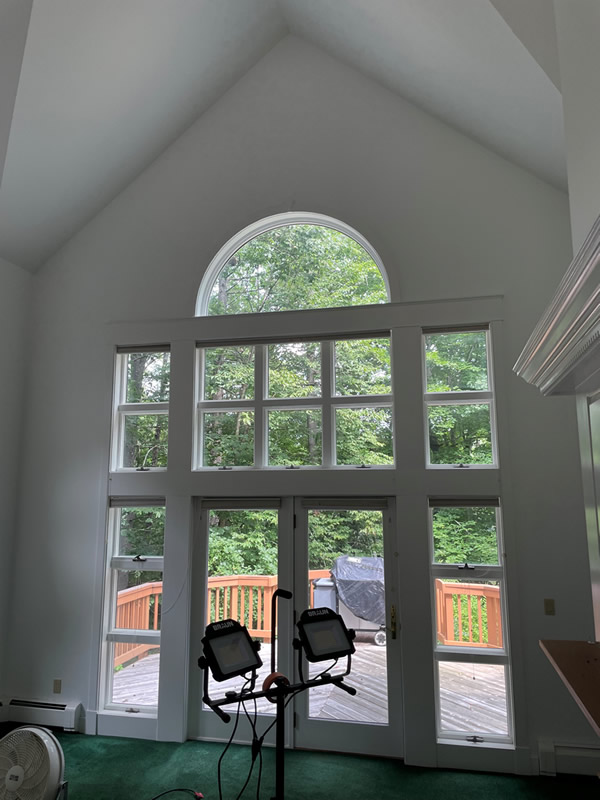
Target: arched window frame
[(286, 219)]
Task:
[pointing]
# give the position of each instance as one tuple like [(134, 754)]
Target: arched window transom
[(291, 262)]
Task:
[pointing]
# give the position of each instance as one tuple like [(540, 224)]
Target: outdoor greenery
[(148, 381), (459, 433), (297, 267)]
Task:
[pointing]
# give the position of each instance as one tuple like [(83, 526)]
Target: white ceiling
[(106, 86)]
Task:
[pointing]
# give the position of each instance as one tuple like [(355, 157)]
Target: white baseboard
[(573, 759)]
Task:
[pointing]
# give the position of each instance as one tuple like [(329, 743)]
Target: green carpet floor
[(107, 768)]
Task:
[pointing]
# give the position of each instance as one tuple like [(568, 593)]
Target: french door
[(338, 553)]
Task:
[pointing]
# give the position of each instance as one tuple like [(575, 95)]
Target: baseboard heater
[(40, 712)]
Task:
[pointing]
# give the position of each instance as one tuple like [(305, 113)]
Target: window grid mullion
[(260, 392), (327, 389)]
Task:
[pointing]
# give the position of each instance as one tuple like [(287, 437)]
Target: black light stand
[(323, 635)]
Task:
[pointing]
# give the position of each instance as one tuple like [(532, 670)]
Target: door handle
[(392, 628)]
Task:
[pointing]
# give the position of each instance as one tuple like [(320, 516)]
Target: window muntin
[(288, 267), (141, 422), (296, 418), (133, 601), (459, 399)]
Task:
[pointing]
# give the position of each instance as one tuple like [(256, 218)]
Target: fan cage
[(31, 765)]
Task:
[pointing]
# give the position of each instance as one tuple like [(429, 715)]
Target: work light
[(324, 635), (229, 650)]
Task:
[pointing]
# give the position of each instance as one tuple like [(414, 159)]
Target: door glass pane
[(468, 614), (135, 670), (345, 563), (295, 369), (295, 437), (242, 576), (472, 698), (460, 434)]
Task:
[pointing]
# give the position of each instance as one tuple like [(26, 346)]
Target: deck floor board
[(471, 697)]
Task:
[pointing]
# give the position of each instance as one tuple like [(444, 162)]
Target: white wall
[(578, 27), (15, 297), (300, 131), (14, 23)]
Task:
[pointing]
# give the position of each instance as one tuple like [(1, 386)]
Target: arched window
[(290, 262)]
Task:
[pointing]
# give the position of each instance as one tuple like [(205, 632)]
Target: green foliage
[(364, 436), (295, 437), (242, 542), (297, 267), (228, 439), (456, 362), (465, 535), (343, 533), (146, 435), (458, 433), (362, 366), (295, 370), (229, 373), (142, 531), (148, 377)]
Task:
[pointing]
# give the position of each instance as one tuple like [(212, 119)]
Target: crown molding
[(562, 355)]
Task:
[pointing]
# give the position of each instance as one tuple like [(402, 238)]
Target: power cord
[(185, 791), (228, 745)]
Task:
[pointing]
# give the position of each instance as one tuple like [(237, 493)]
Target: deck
[(473, 697)]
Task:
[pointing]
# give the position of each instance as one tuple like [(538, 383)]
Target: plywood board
[(578, 664)]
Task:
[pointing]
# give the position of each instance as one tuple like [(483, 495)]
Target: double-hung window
[(133, 604), (141, 409), (459, 399)]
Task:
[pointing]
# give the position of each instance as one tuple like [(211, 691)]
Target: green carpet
[(109, 768)]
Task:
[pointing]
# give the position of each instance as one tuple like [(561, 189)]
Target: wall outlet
[(57, 686), (549, 607)]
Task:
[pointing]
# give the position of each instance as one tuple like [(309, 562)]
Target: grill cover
[(359, 583)]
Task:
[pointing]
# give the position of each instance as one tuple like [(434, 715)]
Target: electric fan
[(32, 766)]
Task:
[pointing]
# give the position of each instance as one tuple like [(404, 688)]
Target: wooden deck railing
[(247, 598), (468, 614), (135, 611)]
